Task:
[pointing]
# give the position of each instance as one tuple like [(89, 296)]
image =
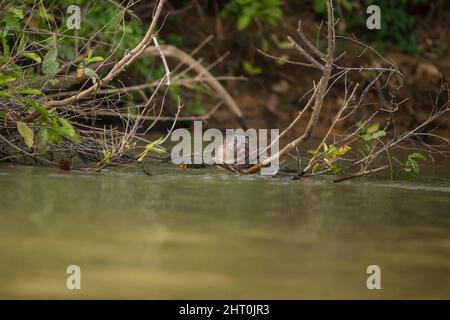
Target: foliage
[(29, 60), (53, 128), (411, 167), (36, 49), (26, 133), (250, 69), (320, 6), (370, 134), (247, 11), (330, 155), (397, 24), (196, 107), (154, 146)]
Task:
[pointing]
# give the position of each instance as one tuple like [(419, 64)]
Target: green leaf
[(154, 146), (417, 156), (158, 150), (196, 107), (379, 134), (18, 12), (43, 139), (89, 54), (91, 59), (376, 135), (243, 22), (251, 70), (343, 150), (26, 133), (32, 56), (6, 79), (29, 91), (174, 91), (95, 59), (44, 14), (22, 44), (11, 21), (330, 152), (5, 46), (413, 165), (39, 108), (53, 82), (282, 60), (367, 148), (106, 158), (142, 156), (68, 130), (372, 128), (91, 74), (316, 168), (5, 95), (50, 65), (320, 6), (55, 137), (346, 4)]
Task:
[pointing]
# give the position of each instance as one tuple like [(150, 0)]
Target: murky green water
[(208, 234)]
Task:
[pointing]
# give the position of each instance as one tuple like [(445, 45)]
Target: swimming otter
[(233, 154)]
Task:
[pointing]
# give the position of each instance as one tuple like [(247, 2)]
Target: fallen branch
[(148, 118), (173, 52)]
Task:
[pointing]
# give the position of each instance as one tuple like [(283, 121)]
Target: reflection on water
[(208, 234)]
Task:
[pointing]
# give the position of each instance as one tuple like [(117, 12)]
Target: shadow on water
[(208, 234)]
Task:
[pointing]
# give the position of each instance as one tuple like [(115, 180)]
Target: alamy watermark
[(374, 280), (73, 281), (374, 20), (74, 18)]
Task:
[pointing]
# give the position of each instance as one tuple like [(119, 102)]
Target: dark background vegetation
[(414, 34)]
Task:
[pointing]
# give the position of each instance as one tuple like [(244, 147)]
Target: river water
[(206, 233)]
